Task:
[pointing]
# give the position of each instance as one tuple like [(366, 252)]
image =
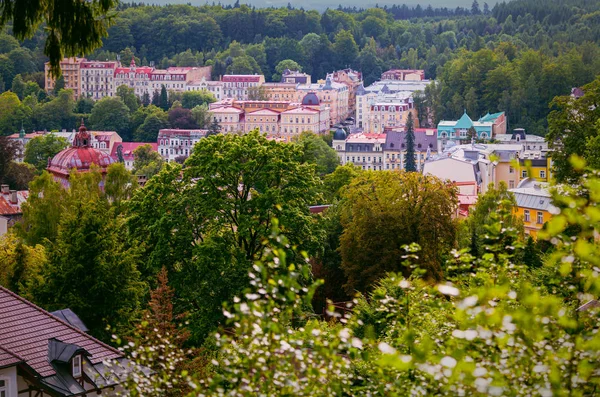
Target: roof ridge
[(48, 314), (10, 351)]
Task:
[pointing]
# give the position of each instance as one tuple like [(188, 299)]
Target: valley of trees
[(513, 57), (217, 276)]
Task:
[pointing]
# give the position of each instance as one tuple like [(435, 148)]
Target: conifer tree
[(164, 99), (409, 162), (156, 99)]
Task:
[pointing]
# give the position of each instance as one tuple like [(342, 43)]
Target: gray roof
[(69, 317), (396, 140)]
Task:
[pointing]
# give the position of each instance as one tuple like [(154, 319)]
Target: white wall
[(10, 375)]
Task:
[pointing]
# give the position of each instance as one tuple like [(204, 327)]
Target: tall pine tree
[(164, 99), (409, 163)]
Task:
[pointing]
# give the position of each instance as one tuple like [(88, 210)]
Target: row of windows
[(524, 173), (176, 142), (527, 217), (174, 151)]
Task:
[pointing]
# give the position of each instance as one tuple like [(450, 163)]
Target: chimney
[(4, 189), (13, 197)]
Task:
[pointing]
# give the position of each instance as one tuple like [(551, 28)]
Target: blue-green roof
[(491, 117), (464, 122)]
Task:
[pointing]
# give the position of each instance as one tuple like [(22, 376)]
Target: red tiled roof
[(129, 147), (8, 208), (236, 78), (25, 330), (80, 158), (8, 358)]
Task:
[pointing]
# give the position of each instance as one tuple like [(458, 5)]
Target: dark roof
[(61, 352), (396, 140), (25, 331), (310, 99), (69, 317), (339, 134)]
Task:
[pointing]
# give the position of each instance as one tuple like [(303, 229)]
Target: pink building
[(124, 151)]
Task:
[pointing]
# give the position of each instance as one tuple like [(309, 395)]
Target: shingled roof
[(31, 335)]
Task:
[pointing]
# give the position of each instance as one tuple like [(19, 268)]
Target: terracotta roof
[(128, 148), (25, 331), (7, 208), (80, 158), (8, 358), (242, 78)]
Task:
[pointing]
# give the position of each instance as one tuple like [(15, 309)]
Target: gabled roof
[(8, 358), (464, 122), (25, 331), (61, 352)]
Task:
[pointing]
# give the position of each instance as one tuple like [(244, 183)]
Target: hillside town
[(305, 200)]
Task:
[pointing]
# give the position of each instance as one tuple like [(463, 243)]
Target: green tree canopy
[(111, 114), (191, 99), (318, 152), (384, 211), (41, 148)]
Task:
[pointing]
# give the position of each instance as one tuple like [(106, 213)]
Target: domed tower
[(311, 99), (339, 142), (78, 158)]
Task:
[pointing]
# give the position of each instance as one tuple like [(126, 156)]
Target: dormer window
[(76, 362)]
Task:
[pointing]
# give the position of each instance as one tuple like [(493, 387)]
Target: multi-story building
[(177, 78), (534, 205), (230, 118), (214, 87), (353, 80), (529, 142), (485, 128), (363, 150), (403, 75), (278, 119), (174, 144), (97, 79), (336, 95), (240, 86), (295, 77), (281, 92), (381, 96), (264, 120), (70, 68), (10, 207), (389, 148), (395, 148)]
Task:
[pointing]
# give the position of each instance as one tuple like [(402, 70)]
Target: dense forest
[(514, 57)]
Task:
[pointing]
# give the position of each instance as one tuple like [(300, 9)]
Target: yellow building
[(534, 205), (539, 168)]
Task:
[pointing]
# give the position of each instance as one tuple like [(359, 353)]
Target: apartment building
[(335, 95), (97, 79), (214, 87), (239, 86), (173, 143), (70, 68)]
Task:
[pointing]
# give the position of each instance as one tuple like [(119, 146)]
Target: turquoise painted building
[(458, 131)]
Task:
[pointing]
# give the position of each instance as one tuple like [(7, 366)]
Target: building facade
[(353, 80), (10, 207), (71, 74), (124, 152), (295, 77), (335, 95), (403, 75), (486, 128), (241, 86), (214, 87), (97, 79), (534, 205), (174, 144)]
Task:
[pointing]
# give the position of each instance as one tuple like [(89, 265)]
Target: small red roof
[(128, 148), (8, 208), (25, 330), (242, 78)]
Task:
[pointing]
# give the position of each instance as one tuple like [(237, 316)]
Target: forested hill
[(513, 57)]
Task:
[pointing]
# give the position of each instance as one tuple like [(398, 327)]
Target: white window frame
[(542, 173), (540, 218), (5, 390), (76, 364), (526, 216)]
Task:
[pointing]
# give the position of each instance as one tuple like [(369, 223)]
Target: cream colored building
[(214, 87), (71, 73), (282, 92), (229, 118), (264, 120), (298, 120), (335, 95)]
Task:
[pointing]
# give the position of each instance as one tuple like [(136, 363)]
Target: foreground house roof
[(42, 346)]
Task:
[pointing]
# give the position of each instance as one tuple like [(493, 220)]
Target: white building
[(214, 87), (97, 79), (174, 143), (239, 86)]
